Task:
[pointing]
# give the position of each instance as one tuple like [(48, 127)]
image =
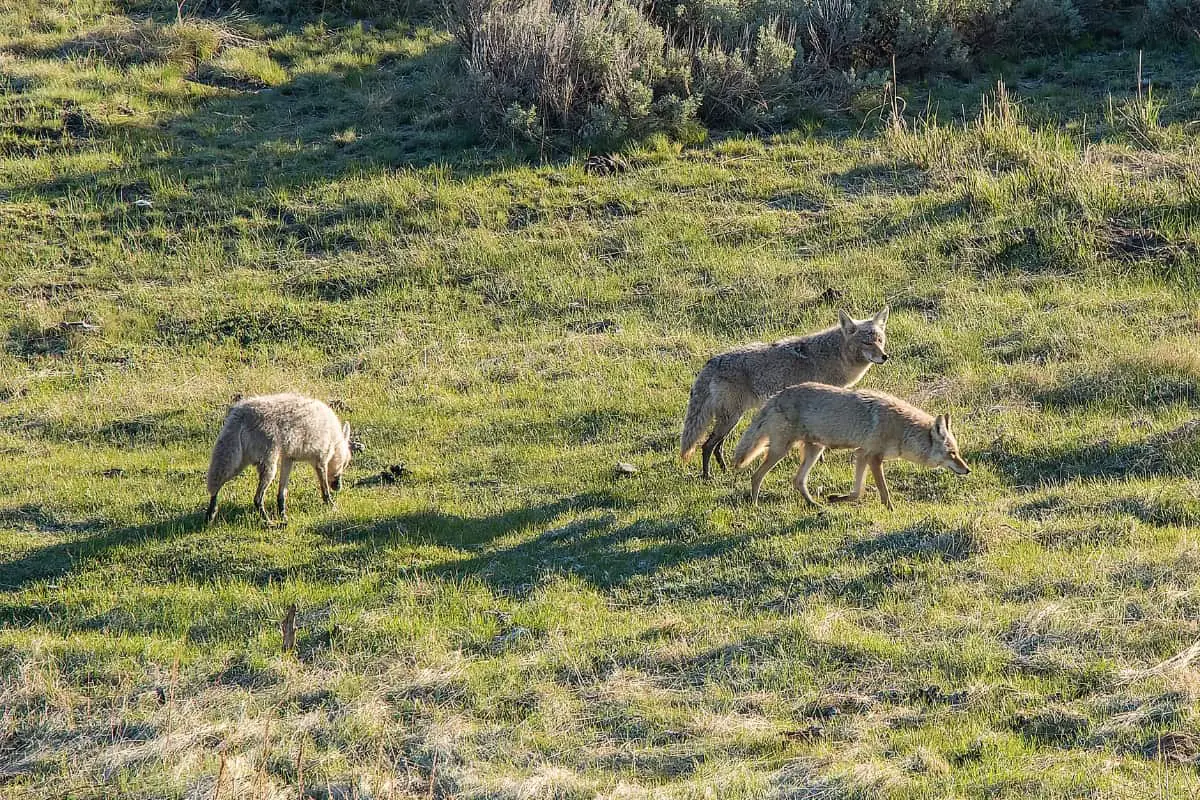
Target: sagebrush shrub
[(604, 71), (584, 68), (918, 34), (1177, 19), (741, 87), (1035, 25), (834, 30)]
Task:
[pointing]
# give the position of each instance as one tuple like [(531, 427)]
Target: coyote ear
[(847, 322), (882, 317), (941, 424), (346, 431)]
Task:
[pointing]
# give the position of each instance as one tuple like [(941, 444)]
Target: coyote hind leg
[(712, 445), (266, 474)]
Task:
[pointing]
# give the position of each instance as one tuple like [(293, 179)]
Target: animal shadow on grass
[(56, 560), (675, 557), (925, 539), (747, 656), (593, 546), (1174, 452), (906, 178)]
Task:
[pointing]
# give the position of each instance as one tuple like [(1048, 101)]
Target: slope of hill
[(191, 211)]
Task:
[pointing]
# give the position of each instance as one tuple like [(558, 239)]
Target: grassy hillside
[(245, 207)]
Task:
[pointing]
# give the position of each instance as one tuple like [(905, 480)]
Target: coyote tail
[(699, 414), (753, 442), (226, 458)]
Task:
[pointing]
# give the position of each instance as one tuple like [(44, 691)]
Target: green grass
[(512, 620)]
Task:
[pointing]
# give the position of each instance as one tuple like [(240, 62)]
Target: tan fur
[(740, 380), (877, 425), (272, 432)]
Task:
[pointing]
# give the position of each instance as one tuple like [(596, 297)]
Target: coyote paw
[(843, 498)]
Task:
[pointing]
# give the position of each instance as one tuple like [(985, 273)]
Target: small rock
[(144, 202), (393, 474), (77, 124), (506, 640), (78, 325), (599, 326), (625, 468), (806, 734)]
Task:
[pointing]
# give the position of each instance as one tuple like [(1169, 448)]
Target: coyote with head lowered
[(272, 432), (741, 379), (877, 425)]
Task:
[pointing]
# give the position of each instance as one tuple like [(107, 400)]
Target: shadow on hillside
[(1144, 385), (1157, 510), (315, 128), (591, 545), (793, 647), (904, 178), (467, 533), (928, 538), (56, 560), (1174, 452), (653, 558)]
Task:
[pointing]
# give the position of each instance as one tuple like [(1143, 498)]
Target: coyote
[(273, 432), (877, 425), (741, 379)]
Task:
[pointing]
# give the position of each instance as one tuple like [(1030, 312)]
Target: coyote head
[(339, 460), (943, 447), (866, 339)]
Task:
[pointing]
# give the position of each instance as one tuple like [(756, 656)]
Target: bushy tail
[(226, 458), (753, 442), (699, 415)]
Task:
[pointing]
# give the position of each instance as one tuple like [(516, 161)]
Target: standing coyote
[(877, 425), (738, 380), (273, 432)]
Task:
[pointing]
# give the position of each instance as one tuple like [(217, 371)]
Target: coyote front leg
[(860, 478), (812, 454), (877, 470)]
